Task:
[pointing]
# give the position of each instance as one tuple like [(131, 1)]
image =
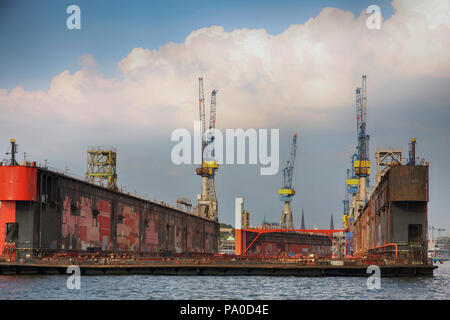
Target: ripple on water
[(208, 287)]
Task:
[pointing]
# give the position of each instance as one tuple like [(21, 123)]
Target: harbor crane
[(207, 200), (358, 177), (362, 163), (287, 192)]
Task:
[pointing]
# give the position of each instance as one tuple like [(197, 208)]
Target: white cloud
[(263, 80)]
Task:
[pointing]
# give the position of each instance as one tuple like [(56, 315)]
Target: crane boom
[(212, 111), (292, 160), (202, 112), (361, 120), (209, 148)]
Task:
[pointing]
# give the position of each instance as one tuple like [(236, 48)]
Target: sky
[(129, 77)]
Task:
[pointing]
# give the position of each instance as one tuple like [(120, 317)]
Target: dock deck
[(220, 269)]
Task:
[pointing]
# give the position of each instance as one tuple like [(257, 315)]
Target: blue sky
[(119, 81), (33, 31)]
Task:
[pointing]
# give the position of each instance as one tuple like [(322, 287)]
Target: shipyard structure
[(50, 220), (44, 212), (382, 224), (276, 241), (281, 240), (389, 221), (393, 223)]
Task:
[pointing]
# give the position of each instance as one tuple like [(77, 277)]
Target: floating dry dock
[(220, 266), (43, 212), (49, 221)]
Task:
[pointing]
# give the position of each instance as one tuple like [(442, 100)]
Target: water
[(206, 287)]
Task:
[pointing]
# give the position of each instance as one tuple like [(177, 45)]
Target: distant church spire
[(303, 221), (331, 223)]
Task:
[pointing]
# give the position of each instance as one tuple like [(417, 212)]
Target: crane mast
[(287, 192), (202, 112), (346, 200), (362, 163), (207, 200)]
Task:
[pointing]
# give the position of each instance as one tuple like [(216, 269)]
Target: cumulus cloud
[(263, 80)]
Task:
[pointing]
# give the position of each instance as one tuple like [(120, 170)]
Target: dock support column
[(239, 234)]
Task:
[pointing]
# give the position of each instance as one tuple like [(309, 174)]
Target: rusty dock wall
[(44, 212), (394, 221)]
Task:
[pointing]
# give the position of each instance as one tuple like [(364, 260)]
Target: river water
[(208, 287)]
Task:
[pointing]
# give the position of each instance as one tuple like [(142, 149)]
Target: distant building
[(227, 246), (226, 230), (271, 225), (440, 249)]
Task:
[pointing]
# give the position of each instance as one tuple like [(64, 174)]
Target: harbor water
[(54, 287)]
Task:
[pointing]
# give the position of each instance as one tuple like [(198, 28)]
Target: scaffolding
[(386, 158), (101, 166), (184, 204)]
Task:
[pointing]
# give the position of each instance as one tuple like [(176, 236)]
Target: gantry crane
[(358, 176), (207, 200), (362, 163), (287, 192)]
